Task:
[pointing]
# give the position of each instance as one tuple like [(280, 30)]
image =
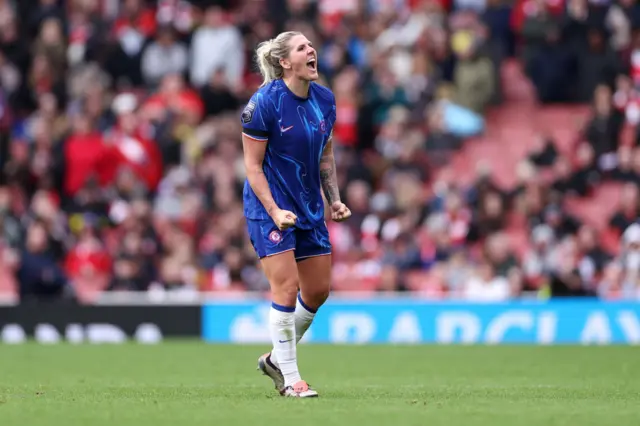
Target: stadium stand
[(488, 149)]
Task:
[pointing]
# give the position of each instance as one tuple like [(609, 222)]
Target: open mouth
[(311, 64)]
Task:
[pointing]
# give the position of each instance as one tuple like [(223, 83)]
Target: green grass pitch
[(193, 384)]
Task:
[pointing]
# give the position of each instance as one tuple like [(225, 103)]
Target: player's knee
[(286, 291)]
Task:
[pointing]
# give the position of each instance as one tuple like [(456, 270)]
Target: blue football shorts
[(268, 240)]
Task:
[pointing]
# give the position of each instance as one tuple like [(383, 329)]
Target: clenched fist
[(340, 212), (284, 219)]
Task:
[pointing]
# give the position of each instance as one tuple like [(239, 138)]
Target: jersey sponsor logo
[(247, 114), (323, 127), (285, 129), (275, 237)]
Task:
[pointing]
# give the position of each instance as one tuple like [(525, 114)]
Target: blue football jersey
[(296, 131)]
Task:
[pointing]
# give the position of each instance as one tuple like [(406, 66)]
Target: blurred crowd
[(121, 162)]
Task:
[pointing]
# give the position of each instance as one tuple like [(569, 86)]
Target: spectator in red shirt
[(129, 147), (84, 153)]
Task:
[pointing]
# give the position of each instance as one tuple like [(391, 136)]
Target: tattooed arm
[(328, 177), (339, 212)]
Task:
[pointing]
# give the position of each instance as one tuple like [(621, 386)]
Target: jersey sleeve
[(332, 112), (256, 118)]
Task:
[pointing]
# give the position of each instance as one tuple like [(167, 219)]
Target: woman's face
[(302, 60)]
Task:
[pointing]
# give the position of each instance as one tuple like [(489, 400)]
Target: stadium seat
[(8, 284), (598, 208)]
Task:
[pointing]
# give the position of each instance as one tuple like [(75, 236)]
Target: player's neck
[(297, 86)]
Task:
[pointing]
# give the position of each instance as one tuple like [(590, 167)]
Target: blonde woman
[(288, 154)]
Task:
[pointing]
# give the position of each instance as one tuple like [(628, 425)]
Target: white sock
[(283, 336), (304, 317)]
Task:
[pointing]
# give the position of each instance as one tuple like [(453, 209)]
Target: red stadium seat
[(8, 284), (597, 209), (610, 240)]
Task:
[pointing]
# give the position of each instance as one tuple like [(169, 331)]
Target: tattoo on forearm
[(329, 182), (328, 177)]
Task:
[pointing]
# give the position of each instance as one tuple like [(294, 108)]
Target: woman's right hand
[(283, 219)]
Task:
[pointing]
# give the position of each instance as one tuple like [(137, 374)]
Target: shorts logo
[(323, 127), (247, 114), (275, 237)]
